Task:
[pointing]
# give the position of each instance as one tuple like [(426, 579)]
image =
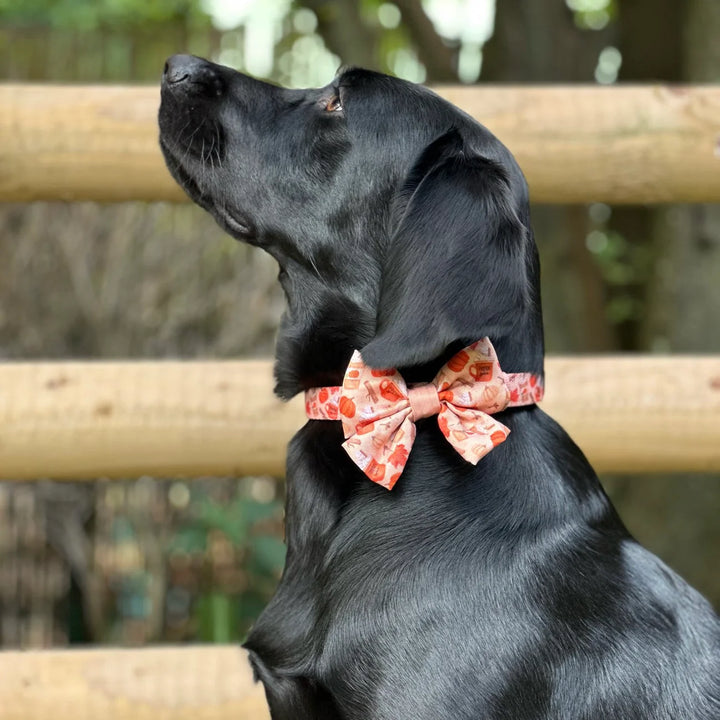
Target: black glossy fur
[(509, 590)]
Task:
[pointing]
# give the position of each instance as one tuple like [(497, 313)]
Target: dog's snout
[(180, 68), (192, 74)]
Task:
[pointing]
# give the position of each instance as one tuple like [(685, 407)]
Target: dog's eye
[(334, 105)]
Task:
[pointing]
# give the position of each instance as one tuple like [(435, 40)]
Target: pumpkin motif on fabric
[(346, 407), (458, 362)]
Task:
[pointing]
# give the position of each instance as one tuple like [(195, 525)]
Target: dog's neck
[(314, 350), (318, 356), (317, 339)]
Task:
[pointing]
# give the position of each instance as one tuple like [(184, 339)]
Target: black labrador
[(505, 590)]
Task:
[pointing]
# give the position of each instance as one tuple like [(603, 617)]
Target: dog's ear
[(455, 269)]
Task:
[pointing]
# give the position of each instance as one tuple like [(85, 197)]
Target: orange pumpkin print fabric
[(378, 410)]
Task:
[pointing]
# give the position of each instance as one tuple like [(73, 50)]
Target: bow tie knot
[(379, 411), (424, 401)]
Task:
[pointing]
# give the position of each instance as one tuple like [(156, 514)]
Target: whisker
[(217, 131), (190, 139), (210, 155)]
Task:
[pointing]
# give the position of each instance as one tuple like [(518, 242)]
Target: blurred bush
[(138, 561)]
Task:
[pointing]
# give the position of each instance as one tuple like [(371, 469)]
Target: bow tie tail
[(472, 433)]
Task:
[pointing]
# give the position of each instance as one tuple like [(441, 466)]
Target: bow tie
[(378, 411)]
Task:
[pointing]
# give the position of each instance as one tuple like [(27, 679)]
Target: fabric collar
[(378, 411)]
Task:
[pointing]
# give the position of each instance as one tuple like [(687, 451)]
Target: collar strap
[(378, 410)]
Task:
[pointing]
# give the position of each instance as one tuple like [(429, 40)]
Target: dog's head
[(400, 224)]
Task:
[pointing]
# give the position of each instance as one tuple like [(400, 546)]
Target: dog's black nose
[(192, 74), (181, 68)]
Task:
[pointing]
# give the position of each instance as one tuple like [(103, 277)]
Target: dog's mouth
[(235, 224), (228, 218), (183, 177)]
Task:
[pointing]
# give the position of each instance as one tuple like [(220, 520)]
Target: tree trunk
[(650, 42), (539, 41), (439, 59), (341, 26), (685, 294)]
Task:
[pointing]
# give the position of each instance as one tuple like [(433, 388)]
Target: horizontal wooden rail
[(576, 144), (75, 420), (182, 683)]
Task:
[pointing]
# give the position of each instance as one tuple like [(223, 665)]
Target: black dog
[(509, 589)]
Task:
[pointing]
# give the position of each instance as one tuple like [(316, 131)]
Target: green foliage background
[(148, 560)]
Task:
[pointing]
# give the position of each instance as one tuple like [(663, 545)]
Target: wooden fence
[(198, 683), (72, 420), (83, 420), (632, 144)]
